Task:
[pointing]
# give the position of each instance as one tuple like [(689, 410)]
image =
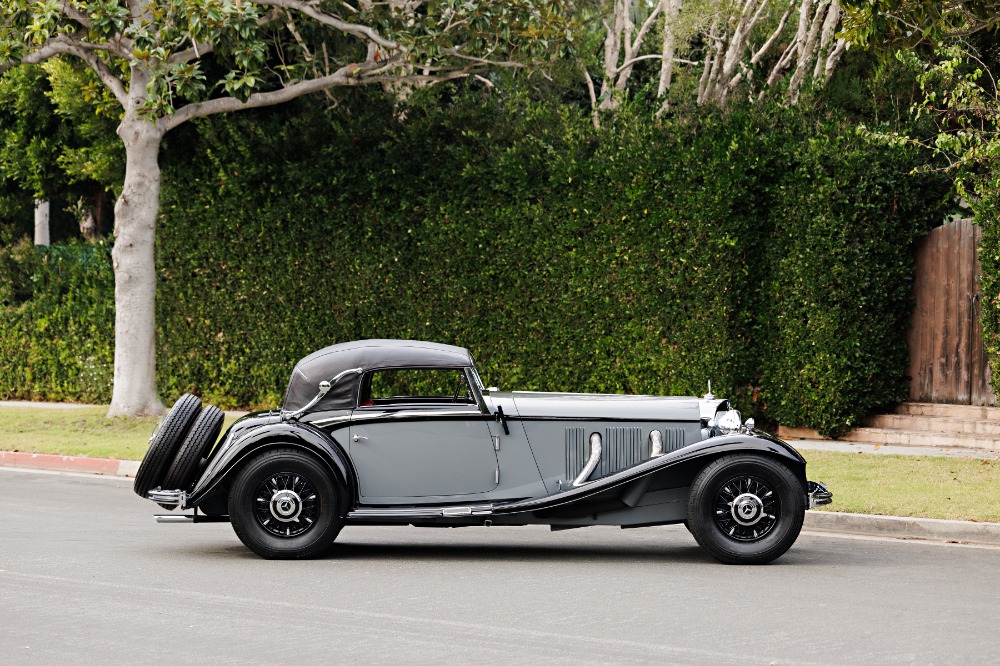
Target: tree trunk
[(135, 272), (90, 229), (42, 222)]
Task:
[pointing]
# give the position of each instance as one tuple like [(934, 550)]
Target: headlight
[(730, 422)]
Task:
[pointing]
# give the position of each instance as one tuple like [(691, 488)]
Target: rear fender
[(232, 455)]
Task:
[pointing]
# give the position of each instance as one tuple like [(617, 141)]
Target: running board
[(408, 512), (190, 518)]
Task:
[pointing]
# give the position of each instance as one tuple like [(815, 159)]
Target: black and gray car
[(402, 432)]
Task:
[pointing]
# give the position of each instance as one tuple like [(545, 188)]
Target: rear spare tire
[(193, 449), (164, 443)]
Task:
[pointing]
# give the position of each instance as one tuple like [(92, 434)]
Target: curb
[(56, 463), (898, 527), (895, 527)]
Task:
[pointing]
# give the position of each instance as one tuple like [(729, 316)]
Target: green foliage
[(57, 324), (767, 250), (911, 23), (838, 287)]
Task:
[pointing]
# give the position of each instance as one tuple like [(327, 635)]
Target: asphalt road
[(86, 576)]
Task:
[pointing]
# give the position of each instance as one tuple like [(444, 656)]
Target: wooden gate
[(947, 360)]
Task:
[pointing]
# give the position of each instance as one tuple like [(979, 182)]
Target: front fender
[(271, 435), (686, 461)]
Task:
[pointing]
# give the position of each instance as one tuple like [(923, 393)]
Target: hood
[(600, 406)]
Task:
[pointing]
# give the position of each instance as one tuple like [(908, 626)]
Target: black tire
[(299, 495), (196, 445), (164, 444), (746, 509)]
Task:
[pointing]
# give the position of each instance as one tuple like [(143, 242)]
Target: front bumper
[(818, 494)]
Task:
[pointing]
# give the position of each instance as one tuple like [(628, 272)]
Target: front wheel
[(746, 509), (284, 505)]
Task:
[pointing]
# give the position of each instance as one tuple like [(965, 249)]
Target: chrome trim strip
[(595, 459), (476, 389), (421, 511), (405, 414), (324, 388), (356, 417), (330, 421), (175, 519)]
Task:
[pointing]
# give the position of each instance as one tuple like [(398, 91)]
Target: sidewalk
[(892, 449), (76, 405)]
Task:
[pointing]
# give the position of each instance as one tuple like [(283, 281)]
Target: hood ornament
[(709, 395)]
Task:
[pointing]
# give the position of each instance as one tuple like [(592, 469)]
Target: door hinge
[(496, 477), (496, 442)]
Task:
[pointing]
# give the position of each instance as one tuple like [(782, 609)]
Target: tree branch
[(629, 63), (197, 50), (595, 118), (310, 9), (350, 75), (66, 46)]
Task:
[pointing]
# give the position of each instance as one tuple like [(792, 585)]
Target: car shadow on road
[(498, 553)]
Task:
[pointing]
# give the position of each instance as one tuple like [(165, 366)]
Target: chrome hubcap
[(746, 508), (286, 504)]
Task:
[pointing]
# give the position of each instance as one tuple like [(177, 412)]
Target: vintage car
[(401, 432)]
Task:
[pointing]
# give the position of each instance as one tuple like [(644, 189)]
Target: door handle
[(359, 438)]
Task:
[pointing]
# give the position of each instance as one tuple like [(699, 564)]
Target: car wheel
[(284, 504), (746, 509), (196, 445), (164, 443)]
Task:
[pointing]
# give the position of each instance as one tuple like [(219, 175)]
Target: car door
[(415, 437)]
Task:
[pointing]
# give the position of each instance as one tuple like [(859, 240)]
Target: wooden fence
[(947, 360)]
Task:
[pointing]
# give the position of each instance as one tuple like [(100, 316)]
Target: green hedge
[(57, 326), (768, 250)]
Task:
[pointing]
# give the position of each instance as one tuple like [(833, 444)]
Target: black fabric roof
[(328, 362)]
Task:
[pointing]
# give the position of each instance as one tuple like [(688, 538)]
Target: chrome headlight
[(730, 422)]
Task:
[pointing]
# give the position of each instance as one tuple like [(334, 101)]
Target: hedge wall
[(768, 250)]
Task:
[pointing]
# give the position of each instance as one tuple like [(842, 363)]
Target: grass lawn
[(78, 431), (920, 486)]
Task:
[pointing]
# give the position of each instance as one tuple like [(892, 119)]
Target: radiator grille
[(577, 451), (621, 448), (673, 439)]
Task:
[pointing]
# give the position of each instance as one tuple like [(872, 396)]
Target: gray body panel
[(559, 425), (404, 454)]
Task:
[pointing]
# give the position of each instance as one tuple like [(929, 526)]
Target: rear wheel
[(746, 509), (284, 505)]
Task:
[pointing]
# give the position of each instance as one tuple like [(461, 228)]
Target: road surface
[(87, 576)]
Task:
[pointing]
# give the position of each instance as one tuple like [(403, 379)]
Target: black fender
[(683, 465), (240, 444)]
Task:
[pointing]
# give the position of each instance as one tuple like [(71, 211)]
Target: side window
[(418, 385)]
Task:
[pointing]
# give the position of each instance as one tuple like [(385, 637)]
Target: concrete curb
[(899, 527), (58, 463), (818, 521)]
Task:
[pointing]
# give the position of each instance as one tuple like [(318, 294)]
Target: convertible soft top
[(327, 363)]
